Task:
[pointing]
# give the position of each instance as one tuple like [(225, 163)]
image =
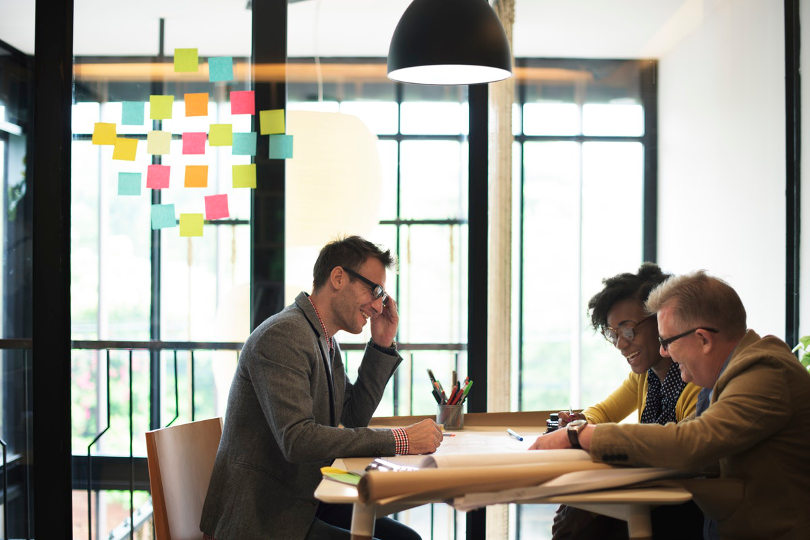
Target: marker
[(513, 434), (448, 434)]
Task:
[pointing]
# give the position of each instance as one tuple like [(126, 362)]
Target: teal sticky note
[(163, 216), (281, 146), (129, 183), (132, 113), (244, 144), (220, 68)]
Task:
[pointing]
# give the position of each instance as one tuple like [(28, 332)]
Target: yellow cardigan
[(632, 396)]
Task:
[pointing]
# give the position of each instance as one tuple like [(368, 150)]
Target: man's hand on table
[(423, 437), (559, 439)]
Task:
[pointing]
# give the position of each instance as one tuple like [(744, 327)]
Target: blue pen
[(513, 434)]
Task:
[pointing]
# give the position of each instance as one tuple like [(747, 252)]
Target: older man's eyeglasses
[(377, 290), (626, 330), (666, 342)]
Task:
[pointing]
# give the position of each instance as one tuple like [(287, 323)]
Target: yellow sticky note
[(244, 176), (160, 107), (104, 133), (158, 142), (196, 104), (196, 176), (191, 224), (186, 60), (125, 149), (271, 121), (220, 135)]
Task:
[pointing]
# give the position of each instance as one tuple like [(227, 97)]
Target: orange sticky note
[(196, 176), (186, 60), (244, 176), (158, 142), (196, 104), (104, 133), (191, 224), (160, 107), (125, 149), (271, 121), (220, 135), (216, 206)]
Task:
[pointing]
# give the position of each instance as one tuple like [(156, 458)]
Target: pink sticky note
[(157, 176), (243, 102), (194, 142), (216, 206)]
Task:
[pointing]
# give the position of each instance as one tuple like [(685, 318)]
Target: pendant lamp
[(449, 42)]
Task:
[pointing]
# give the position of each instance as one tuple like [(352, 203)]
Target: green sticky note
[(158, 142), (160, 107), (129, 183), (132, 113), (220, 135), (244, 176), (271, 121), (244, 144), (220, 68), (345, 478), (280, 147), (185, 60), (163, 216), (191, 224), (103, 133), (125, 149)]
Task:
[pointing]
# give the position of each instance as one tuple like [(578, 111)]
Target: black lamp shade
[(449, 42)]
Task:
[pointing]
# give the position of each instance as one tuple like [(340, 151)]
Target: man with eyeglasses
[(756, 427), (292, 410)]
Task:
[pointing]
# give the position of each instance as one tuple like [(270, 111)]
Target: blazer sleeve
[(619, 404), (685, 407)]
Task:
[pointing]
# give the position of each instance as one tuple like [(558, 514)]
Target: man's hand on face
[(384, 324), (423, 437)]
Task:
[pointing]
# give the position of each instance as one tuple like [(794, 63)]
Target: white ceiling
[(543, 28)]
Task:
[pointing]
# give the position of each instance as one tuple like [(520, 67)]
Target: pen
[(448, 434), (513, 434)]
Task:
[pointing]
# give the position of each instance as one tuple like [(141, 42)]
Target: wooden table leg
[(363, 517), (638, 521)]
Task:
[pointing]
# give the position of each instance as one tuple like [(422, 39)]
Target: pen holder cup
[(451, 416)]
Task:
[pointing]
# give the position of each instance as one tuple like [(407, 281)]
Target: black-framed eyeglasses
[(626, 330), (377, 290), (665, 342)]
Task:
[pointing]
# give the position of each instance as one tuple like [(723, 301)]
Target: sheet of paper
[(103, 133), (163, 216), (186, 60), (125, 149), (196, 176), (132, 113), (157, 176), (244, 144), (243, 102), (129, 183), (271, 121), (216, 206), (158, 142), (194, 142), (191, 224), (220, 135), (280, 147), (220, 68), (244, 176), (160, 107), (196, 104)]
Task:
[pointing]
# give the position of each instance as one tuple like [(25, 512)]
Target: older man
[(757, 424)]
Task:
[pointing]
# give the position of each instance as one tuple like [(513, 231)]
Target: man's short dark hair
[(350, 252), (621, 287)]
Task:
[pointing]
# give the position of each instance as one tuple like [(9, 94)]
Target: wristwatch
[(574, 429)]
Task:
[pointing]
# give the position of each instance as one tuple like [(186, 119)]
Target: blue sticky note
[(281, 146), (244, 144), (132, 113), (220, 68), (129, 183), (163, 216)]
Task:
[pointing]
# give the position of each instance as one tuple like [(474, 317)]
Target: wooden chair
[(180, 460)]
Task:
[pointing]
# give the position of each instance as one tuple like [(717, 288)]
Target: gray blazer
[(287, 416)]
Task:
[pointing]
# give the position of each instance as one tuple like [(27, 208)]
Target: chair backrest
[(180, 460)]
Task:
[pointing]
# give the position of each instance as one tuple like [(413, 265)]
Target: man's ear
[(706, 340), (338, 278)]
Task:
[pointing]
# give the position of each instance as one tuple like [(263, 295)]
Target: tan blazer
[(757, 428)]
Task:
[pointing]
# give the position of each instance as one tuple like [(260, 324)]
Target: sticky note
[(280, 146), (243, 102), (220, 68), (104, 133), (196, 176), (216, 206), (220, 135), (157, 176), (158, 142), (196, 104), (132, 113), (125, 149), (186, 60), (191, 224), (244, 144), (160, 107), (129, 183), (271, 121), (194, 143), (163, 216), (244, 176)]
